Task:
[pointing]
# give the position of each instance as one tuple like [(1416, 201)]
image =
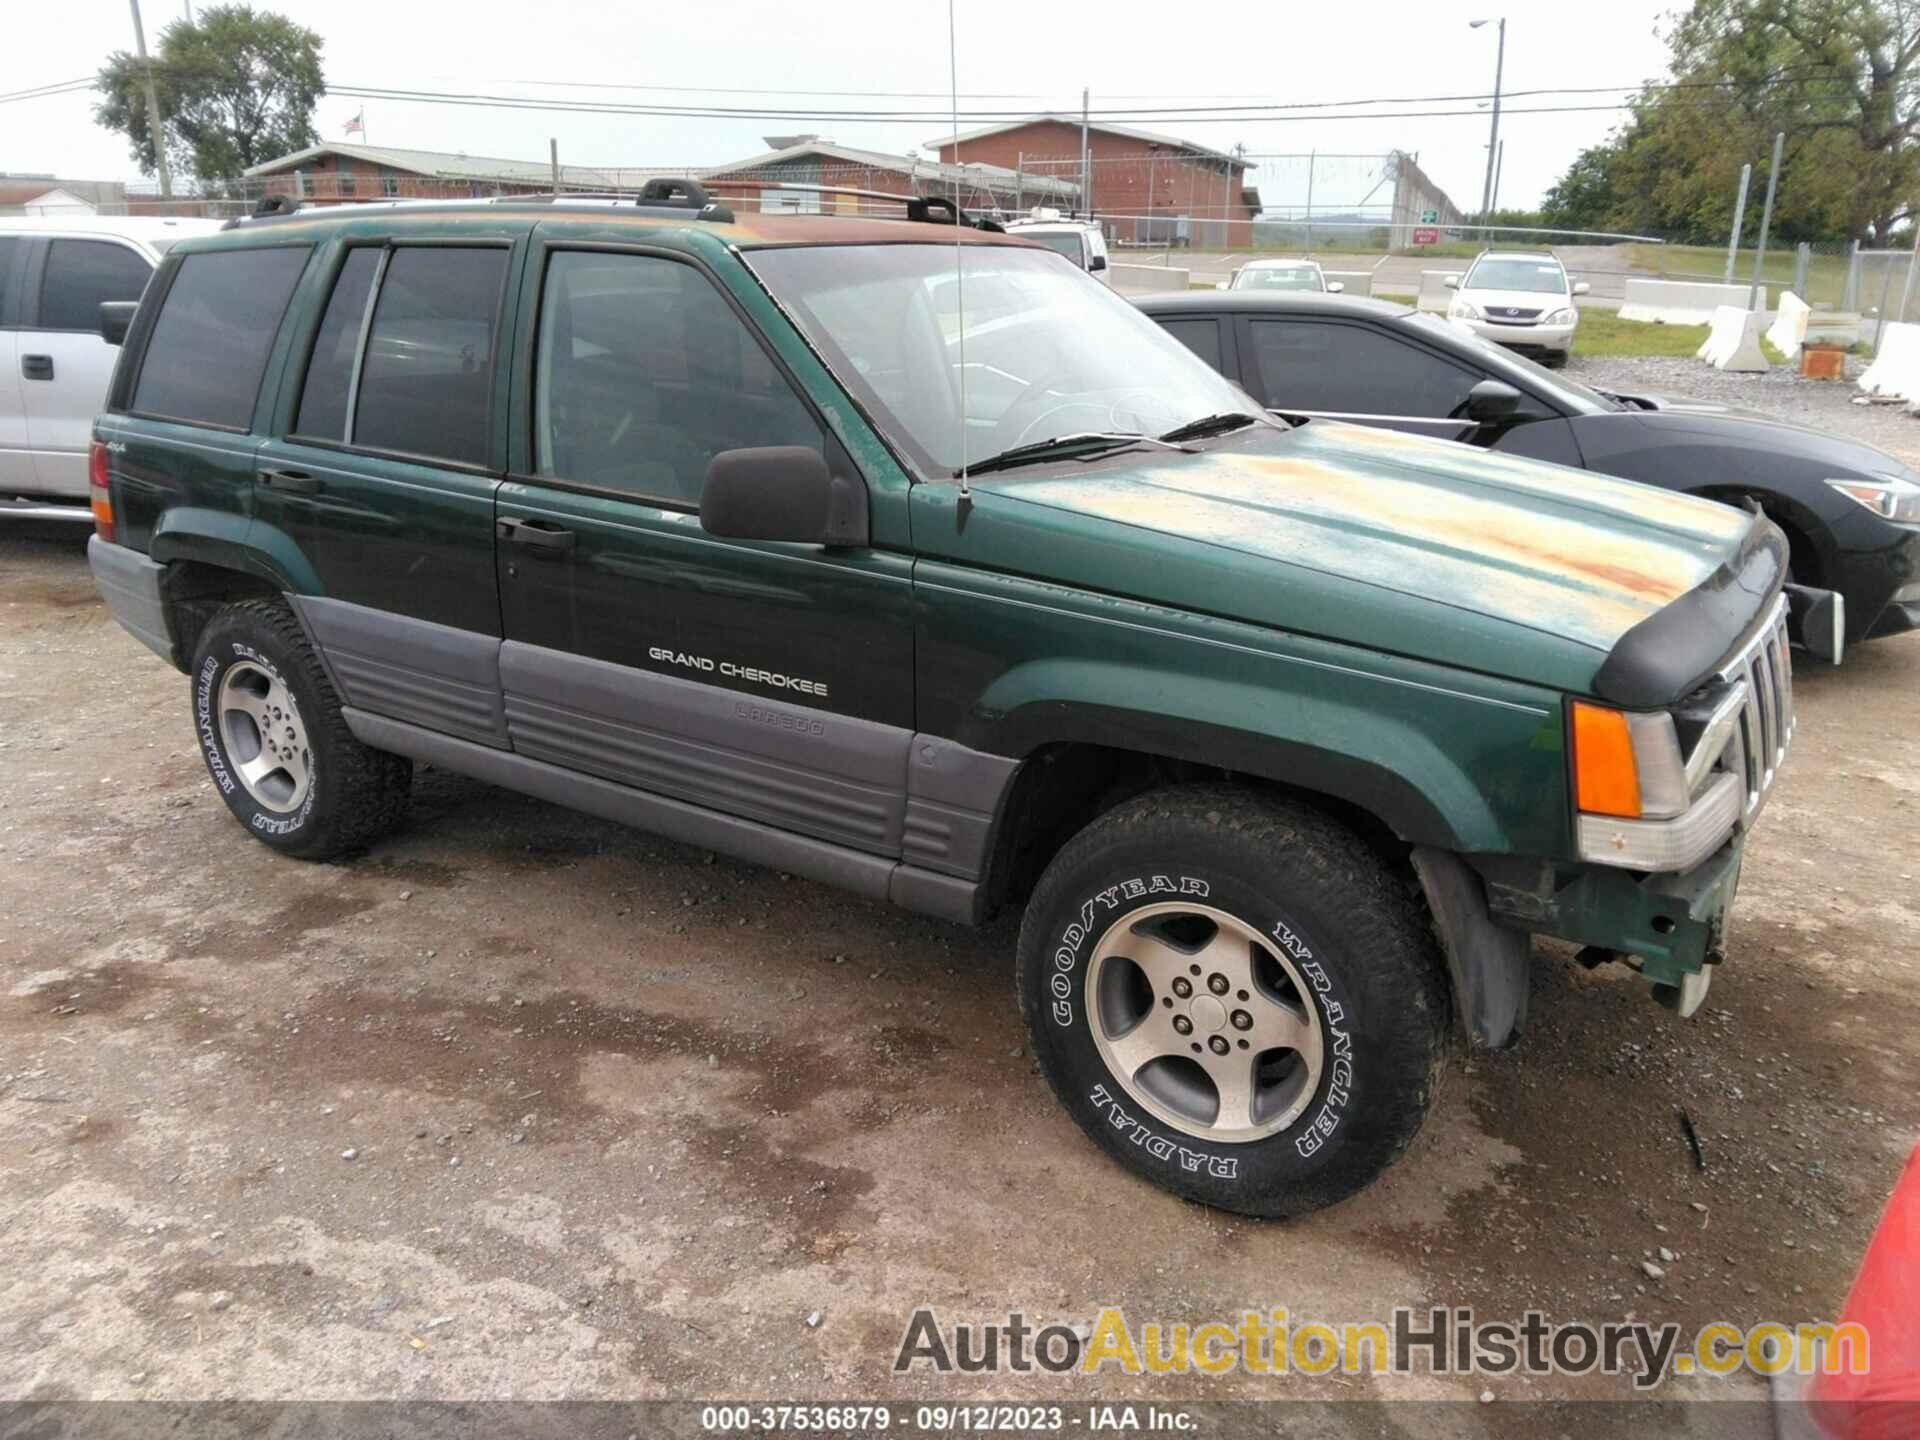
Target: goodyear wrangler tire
[(275, 743), (1234, 998)]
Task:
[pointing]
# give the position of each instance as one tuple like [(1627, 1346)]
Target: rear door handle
[(537, 536), (36, 367), (293, 482)]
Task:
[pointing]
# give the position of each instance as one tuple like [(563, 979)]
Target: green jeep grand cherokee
[(905, 556)]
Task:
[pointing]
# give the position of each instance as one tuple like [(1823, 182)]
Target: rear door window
[(1202, 337), (214, 332), (82, 274), (426, 382), (645, 373), (1353, 370), (324, 394)]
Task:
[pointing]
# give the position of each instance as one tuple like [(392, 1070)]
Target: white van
[(55, 272), (1079, 240)]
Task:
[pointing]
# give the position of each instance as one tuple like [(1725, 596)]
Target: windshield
[(1050, 351), (1542, 277), (1278, 277), (1069, 245), (1571, 393)]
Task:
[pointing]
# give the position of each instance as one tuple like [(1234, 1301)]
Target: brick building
[(810, 160), (1146, 188), (339, 173)]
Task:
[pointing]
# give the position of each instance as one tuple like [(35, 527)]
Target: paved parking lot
[(622, 1116)]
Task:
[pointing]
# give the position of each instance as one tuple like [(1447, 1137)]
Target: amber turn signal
[(1605, 779)]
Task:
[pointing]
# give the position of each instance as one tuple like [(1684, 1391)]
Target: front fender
[(1440, 767)]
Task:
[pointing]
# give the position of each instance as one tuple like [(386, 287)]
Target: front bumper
[(1673, 925), (1882, 584), (1523, 337)]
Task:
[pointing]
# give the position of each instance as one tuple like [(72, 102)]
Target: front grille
[(1765, 727), (1511, 315)]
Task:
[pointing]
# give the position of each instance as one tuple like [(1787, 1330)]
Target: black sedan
[(1851, 513)]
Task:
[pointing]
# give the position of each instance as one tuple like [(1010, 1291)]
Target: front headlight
[(1890, 497), (1567, 316), (1639, 804), (1464, 310)]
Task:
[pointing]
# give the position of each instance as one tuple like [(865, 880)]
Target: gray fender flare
[(1486, 963)]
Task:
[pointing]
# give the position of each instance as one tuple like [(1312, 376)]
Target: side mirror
[(1452, 282), (1098, 262), (1491, 400), (1336, 287), (1581, 287), (116, 318), (782, 492)]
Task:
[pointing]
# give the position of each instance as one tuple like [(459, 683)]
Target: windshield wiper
[(1211, 425), (1080, 440)]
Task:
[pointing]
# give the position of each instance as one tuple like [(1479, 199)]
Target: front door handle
[(36, 367), (541, 538), (293, 482)]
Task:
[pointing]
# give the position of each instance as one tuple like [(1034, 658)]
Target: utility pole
[(1019, 181), (153, 107), (1499, 164), (553, 156), (1312, 164), (1493, 139)]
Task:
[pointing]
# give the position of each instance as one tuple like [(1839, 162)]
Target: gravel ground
[(1780, 393), (523, 1104)]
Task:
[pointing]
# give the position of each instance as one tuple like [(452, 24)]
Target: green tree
[(237, 87), (1841, 78), (1583, 198)]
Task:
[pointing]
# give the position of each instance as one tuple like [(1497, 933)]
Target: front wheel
[(276, 744), (1234, 998)]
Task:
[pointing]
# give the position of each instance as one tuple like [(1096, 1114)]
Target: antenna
[(959, 257)]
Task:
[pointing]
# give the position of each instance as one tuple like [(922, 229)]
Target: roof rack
[(920, 208), (661, 196)]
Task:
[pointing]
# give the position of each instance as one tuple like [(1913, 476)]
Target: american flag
[(358, 124)]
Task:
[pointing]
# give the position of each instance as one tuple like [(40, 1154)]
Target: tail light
[(99, 492)]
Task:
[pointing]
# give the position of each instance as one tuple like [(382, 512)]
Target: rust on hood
[(1558, 550)]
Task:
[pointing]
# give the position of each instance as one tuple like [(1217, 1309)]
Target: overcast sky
[(1022, 54)]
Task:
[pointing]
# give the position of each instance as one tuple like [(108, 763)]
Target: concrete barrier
[(1358, 282), (1148, 279), (1789, 329), (1682, 302), (1434, 294), (1896, 370), (1734, 342)]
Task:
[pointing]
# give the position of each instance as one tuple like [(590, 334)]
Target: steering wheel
[(1019, 418)]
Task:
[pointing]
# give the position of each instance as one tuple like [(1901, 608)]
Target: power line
[(1239, 115), (60, 87)]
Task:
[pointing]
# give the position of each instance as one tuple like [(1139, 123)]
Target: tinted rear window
[(210, 342), (13, 253), (80, 275), (427, 378), (1200, 336), (323, 399)]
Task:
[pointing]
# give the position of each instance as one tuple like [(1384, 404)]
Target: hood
[(1542, 301), (1372, 537), (1670, 415)]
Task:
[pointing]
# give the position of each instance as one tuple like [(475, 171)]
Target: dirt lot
[(622, 1116)]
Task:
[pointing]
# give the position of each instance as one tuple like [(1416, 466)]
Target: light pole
[(1493, 140)]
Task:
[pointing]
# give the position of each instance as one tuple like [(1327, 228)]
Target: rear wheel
[(276, 744), (1234, 998)]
